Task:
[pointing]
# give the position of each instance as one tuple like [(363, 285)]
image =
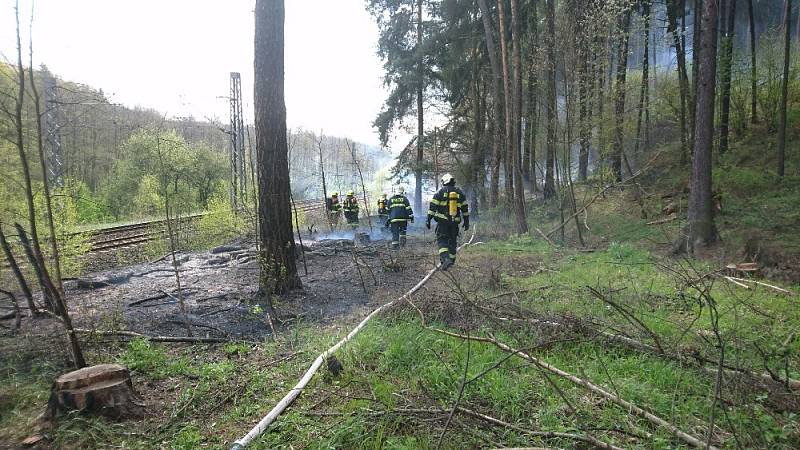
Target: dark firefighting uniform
[(350, 209), (400, 213), (334, 209), (448, 207)]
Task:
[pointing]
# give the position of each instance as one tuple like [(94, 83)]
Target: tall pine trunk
[(516, 107), (644, 93), (683, 81), (529, 163), (787, 44), (552, 114), (420, 117), (701, 229), (496, 135), (508, 156), (278, 265), (619, 96), (726, 60), (753, 71)]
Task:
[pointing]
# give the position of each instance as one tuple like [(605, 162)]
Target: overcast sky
[(176, 55)]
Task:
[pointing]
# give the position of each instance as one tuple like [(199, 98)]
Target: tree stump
[(105, 389)]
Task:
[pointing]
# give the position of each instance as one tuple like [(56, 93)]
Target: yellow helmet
[(383, 195), (335, 194), (350, 193)]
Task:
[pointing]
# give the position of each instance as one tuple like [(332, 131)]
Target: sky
[(176, 56)]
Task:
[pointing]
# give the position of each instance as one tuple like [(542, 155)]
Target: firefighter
[(449, 208), (334, 208), (350, 209), (400, 213), (383, 209)]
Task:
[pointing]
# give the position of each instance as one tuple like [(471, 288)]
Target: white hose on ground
[(292, 394)]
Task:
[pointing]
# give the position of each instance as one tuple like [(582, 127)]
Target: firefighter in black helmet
[(449, 208), (400, 213), (350, 209)]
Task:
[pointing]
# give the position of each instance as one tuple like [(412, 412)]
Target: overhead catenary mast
[(52, 137), (238, 182)]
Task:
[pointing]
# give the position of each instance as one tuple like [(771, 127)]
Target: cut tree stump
[(105, 389)]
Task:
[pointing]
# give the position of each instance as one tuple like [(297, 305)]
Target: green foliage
[(219, 225), (189, 438), (151, 359)]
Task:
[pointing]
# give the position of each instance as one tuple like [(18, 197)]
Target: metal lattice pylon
[(52, 141), (237, 155)]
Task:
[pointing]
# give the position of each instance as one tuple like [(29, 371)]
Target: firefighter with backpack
[(449, 208), (350, 209), (400, 214), (383, 209), (334, 209)]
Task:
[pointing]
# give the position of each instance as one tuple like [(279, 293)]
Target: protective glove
[(412, 219), (466, 223), (428, 224)]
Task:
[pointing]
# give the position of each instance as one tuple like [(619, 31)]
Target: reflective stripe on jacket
[(400, 209), (439, 208)]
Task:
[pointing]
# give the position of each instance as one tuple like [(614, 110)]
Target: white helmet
[(447, 179), (401, 190)]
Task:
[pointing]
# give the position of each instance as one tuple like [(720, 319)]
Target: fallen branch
[(191, 339), (685, 437), (667, 219), (775, 288), (295, 391), (544, 236)]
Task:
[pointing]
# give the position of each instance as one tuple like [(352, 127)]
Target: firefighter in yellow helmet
[(350, 209), (383, 208), (449, 208), (400, 213)]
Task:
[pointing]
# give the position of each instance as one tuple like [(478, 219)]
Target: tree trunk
[(278, 265), (510, 147), (105, 389), (529, 165), (726, 60), (787, 44), (683, 80), (619, 96), (644, 93), (486, 18), (583, 75), (753, 71), (697, 36), (519, 192), (701, 229), (420, 117), (23, 285), (552, 115)]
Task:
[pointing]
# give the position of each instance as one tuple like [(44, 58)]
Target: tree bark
[(701, 229), (683, 80), (420, 117), (23, 285), (726, 60), (529, 158), (753, 71), (278, 265), (519, 192), (552, 115), (486, 18), (510, 147), (583, 75), (619, 96), (644, 93), (787, 44)]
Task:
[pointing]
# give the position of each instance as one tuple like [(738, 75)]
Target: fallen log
[(105, 389), (295, 391), (189, 339)]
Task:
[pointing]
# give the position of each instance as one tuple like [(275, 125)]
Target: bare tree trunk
[(726, 60), (701, 229), (583, 122), (552, 116), (753, 71), (784, 86), (644, 93), (23, 285), (324, 187), (529, 159), (509, 147), (477, 158), (486, 18), (519, 192), (420, 117), (47, 197), (278, 265), (683, 80), (619, 96)]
